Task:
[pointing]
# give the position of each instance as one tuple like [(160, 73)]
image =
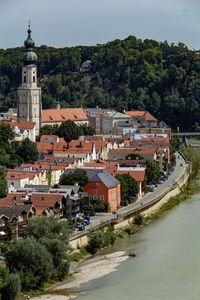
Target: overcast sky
[(62, 23)]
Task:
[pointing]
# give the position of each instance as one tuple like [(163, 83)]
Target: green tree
[(100, 239), (79, 176), (96, 241), (69, 131), (6, 133), (11, 287), (129, 187), (87, 130), (153, 171), (49, 130), (54, 236), (3, 183), (28, 151), (9, 284), (32, 261)]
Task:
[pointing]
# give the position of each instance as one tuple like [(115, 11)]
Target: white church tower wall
[(29, 94)]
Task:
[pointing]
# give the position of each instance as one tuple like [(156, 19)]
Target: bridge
[(182, 134)]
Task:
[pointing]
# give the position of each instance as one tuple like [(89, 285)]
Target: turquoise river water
[(167, 265)]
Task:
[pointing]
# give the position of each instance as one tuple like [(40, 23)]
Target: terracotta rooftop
[(21, 125), (62, 115), (141, 114), (139, 176), (18, 174)]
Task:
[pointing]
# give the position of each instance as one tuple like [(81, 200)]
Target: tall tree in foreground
[(32, 261), (54, 236)]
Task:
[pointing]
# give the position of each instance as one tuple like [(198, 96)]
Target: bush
[(138, 220), (100, 239), (31, 261), (96, 241), (54, 236), (11, 287), (9, 284)]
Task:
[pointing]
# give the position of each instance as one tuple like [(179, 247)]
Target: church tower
[(29, 94)]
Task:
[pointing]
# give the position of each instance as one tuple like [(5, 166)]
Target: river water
[(167, 265)]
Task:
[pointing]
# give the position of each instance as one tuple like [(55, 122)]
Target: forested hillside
[(125, 74)]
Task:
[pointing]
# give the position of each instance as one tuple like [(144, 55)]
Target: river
[(167, 265)]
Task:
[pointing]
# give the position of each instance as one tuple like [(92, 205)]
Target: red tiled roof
[(22, 125), (139, 176), (14, 174), (43, 201), (18, 176), (62, 115), (136, 113), (45, 166)]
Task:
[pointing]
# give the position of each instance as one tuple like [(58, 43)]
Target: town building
[(106, 121), (142, 119), (29, 94), (58, 116), (102, 186), (22, 130)]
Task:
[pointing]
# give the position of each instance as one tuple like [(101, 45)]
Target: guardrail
[(130, 211)]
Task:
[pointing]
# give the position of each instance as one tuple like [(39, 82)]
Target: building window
[(25, 79), (33, 78), (101, 197)]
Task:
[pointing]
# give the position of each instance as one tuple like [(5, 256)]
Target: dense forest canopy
[(125, 74)]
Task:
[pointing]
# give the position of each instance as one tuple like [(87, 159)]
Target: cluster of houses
[(34, 189)]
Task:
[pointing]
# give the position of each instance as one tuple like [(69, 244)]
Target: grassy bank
[(186, 192)]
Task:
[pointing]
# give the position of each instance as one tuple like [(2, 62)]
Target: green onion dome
[(29, 57)]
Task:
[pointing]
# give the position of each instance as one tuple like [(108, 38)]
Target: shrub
[(11, 287), (31, 261), (138, 220)]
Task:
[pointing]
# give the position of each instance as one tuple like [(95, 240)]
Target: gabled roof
[(99, 175), (62, 115), (141, 114), (15, 210)]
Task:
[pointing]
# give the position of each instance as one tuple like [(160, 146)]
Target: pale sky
[(61, 23)]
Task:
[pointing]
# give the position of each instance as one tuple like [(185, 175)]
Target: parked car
[(81, 227), (86, 217), (86, 222)]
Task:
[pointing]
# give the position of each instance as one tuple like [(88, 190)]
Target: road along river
[(167, 265)]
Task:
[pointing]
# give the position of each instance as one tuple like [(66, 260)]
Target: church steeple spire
[(29, 56)]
